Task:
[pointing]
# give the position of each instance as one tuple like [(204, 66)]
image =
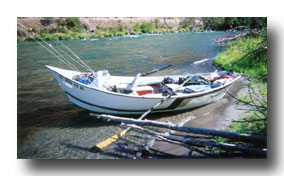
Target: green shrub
[(157, 24), (126, 32), (224, 23), (92, 36), (147, 27), (182, 30), (46, 21), (249, 56), (98, 34), (235, 57), (107, 34), (186, 24), (19, 39), (156, 31), (44, 31), (62, 29), (256, 127), (88, 36), (46, 37), (28, 39), (136, 33), (241, 56), (70, 23), (256, 121), (137, 28), (61, 22), (74, 36), (38, 38), (61, 36), (53, 37), (81, 36), (163, 30), (74, 24), (120, 28), (170, 30), (53, 30)]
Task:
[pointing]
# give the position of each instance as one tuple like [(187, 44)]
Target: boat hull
[(177, 104), (113, 103)]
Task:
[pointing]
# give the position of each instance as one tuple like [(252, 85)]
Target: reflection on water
[(42, 105)]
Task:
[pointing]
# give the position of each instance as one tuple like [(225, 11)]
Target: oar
[(100, 146), (156, 70)]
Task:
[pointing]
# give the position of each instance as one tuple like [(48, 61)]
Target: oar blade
[(100, 146)]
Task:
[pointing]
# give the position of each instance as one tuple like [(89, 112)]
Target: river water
[(49, 126)]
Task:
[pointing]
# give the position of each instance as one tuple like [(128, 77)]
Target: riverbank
[(249, 56), (52, 29), (73, 28)]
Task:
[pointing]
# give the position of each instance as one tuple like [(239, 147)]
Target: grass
[(236, 57)]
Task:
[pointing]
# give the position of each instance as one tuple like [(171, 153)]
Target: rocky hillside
[(91, 24), (74, 28), (174, 23)]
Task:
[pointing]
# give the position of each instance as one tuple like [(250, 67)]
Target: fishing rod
[(81, 63), (73, 58), (156, 70), (57, 55), (78, 58), (50, 51)]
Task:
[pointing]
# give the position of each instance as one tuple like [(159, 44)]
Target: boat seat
[(128, 87), (134, 82)]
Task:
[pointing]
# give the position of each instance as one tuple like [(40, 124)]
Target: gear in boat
[(164, 86)]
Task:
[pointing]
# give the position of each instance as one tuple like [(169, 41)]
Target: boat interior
[(159, 85)]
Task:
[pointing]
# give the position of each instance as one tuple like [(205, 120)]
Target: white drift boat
[(103, 93)]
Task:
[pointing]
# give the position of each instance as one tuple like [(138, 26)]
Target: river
[(49, 126)]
